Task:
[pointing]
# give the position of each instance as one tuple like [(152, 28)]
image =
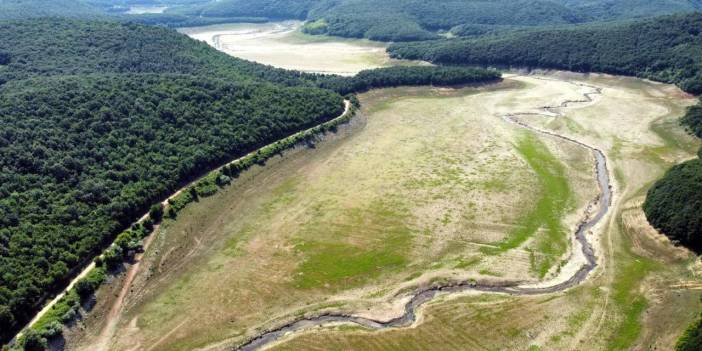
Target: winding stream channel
[(422, 296)]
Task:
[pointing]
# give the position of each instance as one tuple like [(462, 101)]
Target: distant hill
[(410, 20), (627, 9), (18, 9), (667, 49), (387, 20)]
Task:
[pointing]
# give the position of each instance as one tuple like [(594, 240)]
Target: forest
[(693, 120), (674, 203), (102, 119), (389, 20), (412, 20), (665, 49), (20, 9), (407, 76)]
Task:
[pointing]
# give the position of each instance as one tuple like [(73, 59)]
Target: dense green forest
[(99, 120), (667, 49), (17, 9), (60, 47), (674, 204), (621, 9), (693, 120), (388, 20), (411, 20), (404, 76), (273, 9)]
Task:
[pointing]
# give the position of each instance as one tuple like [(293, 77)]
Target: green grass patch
[(347, 249), (631, 303), (553, 200), (631, 270)]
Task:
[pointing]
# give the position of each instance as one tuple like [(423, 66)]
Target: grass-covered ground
[(414, 190), (552, 203), (645, 290)]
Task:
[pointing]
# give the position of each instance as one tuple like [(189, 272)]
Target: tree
[(4, 58), (691, 340), (156, 212), (33, 341)]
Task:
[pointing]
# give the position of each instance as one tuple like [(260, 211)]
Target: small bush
[(691, 340), (156, 212)]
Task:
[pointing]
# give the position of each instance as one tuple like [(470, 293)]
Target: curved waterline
[(422, 296)]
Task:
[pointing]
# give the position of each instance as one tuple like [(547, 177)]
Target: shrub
[(691, 340), (156, 212), (33, 341)]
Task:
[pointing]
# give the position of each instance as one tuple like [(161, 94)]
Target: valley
[(227, 175), (281, 44), (425, 187)]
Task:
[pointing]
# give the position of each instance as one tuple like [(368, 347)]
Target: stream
[(422, 296)]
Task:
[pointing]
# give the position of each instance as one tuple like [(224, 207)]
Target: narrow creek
[(422, 296)]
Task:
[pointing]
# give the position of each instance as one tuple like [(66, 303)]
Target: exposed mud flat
[(282, 45)]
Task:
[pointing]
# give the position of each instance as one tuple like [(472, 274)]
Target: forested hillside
[(667, 49), (411, 20), (693, 120), (79, 47), (388, 20), (621, 9), (674, 204), (16, 9), (99, 120), (407, 76), (272, 9)]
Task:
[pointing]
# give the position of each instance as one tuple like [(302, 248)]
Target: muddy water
[(420, 297)]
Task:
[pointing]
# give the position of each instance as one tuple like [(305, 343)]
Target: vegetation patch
[(380, 238), (553, 201), (670, 52), (674, 204)]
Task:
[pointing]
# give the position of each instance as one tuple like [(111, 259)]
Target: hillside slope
[(667, 49), (20, 9), (100, 120), (410, 20)]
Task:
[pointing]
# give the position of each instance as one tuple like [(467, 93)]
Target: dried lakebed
[(420, 297)]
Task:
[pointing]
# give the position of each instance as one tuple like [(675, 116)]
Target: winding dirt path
[(420, 297)]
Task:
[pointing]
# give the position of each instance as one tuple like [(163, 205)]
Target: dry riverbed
[(425, 184), (281, 44)]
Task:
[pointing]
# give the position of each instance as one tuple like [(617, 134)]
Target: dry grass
[(644, 292), (409, 193)]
